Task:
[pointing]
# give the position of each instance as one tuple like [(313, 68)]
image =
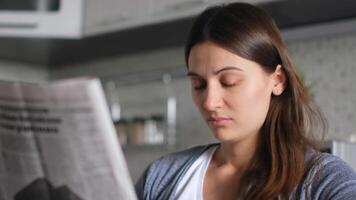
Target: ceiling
[(56, 52)]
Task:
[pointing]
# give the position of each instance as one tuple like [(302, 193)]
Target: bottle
[(150, 130), (158, 137)]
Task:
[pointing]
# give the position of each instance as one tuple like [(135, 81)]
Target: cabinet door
[(62, 23)]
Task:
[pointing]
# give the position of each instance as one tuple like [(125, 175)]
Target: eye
[(228, 81), (228, 84)]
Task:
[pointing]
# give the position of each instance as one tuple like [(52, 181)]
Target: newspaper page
[(71, 147), (19, 160)]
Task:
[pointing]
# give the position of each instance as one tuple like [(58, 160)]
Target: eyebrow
[(218, 71)]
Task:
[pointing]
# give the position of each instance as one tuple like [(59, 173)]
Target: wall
[(330, 61), (15, 71)]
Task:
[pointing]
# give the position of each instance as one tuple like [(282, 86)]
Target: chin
[(224, 135), (231, 136)]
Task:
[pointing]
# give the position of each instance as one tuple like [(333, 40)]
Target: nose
[(212, 99)]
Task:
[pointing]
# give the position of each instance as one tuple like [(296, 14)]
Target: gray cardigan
[(335, 180)]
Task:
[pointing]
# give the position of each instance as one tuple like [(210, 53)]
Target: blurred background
[(136, 48)]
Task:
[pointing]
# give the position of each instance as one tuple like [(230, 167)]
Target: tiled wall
[(331, 64)]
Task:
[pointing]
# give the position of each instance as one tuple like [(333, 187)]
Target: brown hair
[(281, 160)]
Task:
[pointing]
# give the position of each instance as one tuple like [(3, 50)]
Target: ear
[(279, 81)]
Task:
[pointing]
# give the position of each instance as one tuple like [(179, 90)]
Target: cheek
[(259, 95), (259, 92), (254, 104), (262, 103)]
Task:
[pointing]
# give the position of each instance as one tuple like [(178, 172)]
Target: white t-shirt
[(191, 185)]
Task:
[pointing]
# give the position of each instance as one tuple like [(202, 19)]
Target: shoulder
[(330, 178), (330, 168)]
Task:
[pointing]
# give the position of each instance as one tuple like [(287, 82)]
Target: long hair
[(286, 138)]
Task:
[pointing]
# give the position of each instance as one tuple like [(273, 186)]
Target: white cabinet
[(80, 18), (342, 149), (66, 22)]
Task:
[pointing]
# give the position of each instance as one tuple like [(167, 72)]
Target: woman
[(258, 109)]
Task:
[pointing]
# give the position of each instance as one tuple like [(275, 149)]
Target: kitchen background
[(142, 66)]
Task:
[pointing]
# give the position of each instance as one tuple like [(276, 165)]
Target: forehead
[(208, 57)]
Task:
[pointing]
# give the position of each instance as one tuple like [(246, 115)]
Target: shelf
[(146, 147)]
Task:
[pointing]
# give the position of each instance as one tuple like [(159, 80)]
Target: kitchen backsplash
[(331, 64)]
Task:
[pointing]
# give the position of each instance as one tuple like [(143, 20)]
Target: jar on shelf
[(121, 127), (137, 131)]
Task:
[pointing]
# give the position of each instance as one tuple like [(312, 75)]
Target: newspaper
[(57, 142)]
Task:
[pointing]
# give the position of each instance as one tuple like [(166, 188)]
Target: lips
[(219, 121)]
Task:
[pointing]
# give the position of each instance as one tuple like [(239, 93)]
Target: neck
[(236, 155)]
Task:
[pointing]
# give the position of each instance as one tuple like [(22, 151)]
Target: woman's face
[(232, 93)]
